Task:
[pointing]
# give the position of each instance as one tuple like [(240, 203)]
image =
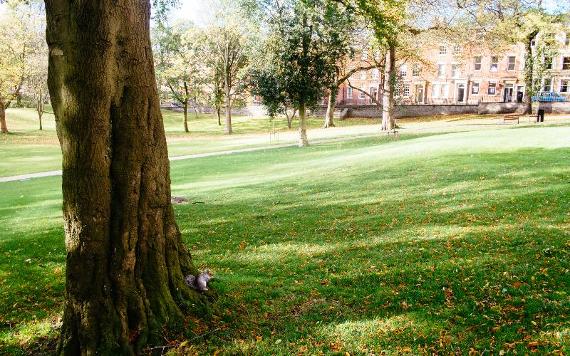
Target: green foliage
[(306, 39)]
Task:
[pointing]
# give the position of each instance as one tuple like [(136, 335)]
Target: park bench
[(512, 117)]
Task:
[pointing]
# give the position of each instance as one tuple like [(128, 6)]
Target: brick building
[(450, 75)]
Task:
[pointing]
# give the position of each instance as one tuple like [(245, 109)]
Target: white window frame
[(567, 80), (455, 70), (495, 87), (566, 61), (403, 71), (445, 90), (494, 67), (478, 85), (416, 70), (362, 95), (435, 91), (442, 50), (406, 90), (550, 85), (441, 70), (478, 63), (514, 63), (349, 93)]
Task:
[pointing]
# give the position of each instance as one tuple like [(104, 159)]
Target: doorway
[(419, 94), (520, 94), (461, 93), (508, 96)]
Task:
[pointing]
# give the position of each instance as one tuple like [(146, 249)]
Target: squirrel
[(200, 282)]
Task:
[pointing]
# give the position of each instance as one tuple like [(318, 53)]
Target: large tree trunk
[(388, 91), (125, 258), (331, 105), (186, 116), (3, 126), (303, 140)]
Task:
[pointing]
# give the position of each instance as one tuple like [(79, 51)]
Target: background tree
[(126, 262), (19, 43), (226, 50), (181, 66), (301, 55)]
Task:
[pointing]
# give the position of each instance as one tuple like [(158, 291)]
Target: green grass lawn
[(451, 243), (28, 150)]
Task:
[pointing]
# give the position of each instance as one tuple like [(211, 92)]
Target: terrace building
[(448, 74)]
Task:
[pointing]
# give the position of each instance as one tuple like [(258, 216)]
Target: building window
[(478, 61), (475, 89), (547, 84), (406, 90), (547, 62), (416, 70), (435, 90), (492, 88), (564, 86), (444, 90), (512, 63), (442, 50), (441, 70), (375, 73), (455, 70), (349, 93), (403, 71), (456, 49), (494, 64), (566, 63), (362, 95)]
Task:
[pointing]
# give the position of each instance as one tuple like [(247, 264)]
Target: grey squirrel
[(199, 282)]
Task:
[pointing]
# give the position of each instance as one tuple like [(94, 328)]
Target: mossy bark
[(125, 258)]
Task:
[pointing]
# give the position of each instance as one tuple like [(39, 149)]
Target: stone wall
[(402, 111)]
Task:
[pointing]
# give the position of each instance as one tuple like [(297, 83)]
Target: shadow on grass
[(429, 255)]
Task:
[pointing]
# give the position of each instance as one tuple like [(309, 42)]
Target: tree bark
[(3, 125), (186, 117), (40, 109), (303, 140), (229, 130), (219, 115), (388, 91), (331, 105), (529, 73), (125, 258)]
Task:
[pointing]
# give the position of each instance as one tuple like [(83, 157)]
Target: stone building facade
[(448, 74)]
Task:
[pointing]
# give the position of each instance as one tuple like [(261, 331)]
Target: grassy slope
[(439, 243), (28, 150)]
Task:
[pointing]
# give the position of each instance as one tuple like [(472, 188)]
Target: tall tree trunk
[(529, 73), (186, 116), (303, 140), (125, 258), (219, 114), (331, 105), (40, 108), (228, 111), (388, 122), (3, 126)]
